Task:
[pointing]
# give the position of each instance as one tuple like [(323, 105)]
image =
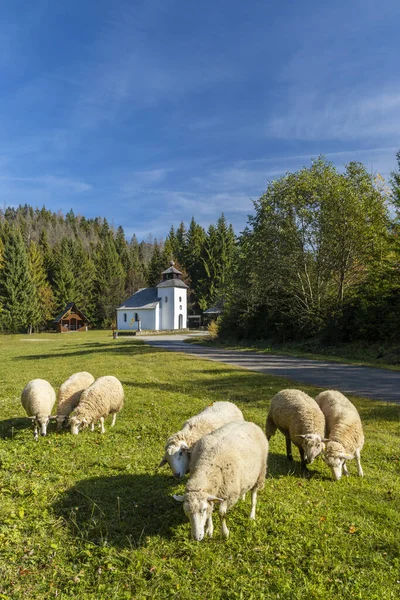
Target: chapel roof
[(172, 283), (144, 298)]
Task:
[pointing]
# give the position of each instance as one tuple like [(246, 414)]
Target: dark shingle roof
[(213, 310), (171, 270), (144, 298), (70, 306), (172, 283)]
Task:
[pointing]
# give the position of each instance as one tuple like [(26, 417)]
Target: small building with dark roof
[(163, 307), (70, 319)]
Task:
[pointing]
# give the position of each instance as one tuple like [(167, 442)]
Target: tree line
[(319, 256), (48, 260)]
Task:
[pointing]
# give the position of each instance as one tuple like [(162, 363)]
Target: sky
[(149, 112)]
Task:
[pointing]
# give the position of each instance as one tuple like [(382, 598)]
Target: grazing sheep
[(104, 397), (69, 395), (344, 430), (38, 398), (180, 444), (225, 465), (300, 420)]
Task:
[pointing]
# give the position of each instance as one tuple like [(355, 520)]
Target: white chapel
[(157, 308)]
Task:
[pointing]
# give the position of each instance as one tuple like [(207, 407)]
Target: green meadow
[(92, 517)]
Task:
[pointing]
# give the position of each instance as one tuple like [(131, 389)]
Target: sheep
[(224, 466), (69, 395), (301, 421), (38, 398), (104, 397), (180, 444), (344, 430)]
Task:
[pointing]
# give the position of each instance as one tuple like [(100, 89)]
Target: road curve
[(378, 384)]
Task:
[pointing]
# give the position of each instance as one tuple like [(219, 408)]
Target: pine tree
[(109, 281), (84, 279), (156, 267), (195, 243), (42, 287), (64, 278), (180, 244), (17, 293)]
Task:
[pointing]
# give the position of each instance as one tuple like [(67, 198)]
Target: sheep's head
[(312, 444), (61, 421), (198, 506), (77, 423), (177, 455), (42, 422), (334, 457)]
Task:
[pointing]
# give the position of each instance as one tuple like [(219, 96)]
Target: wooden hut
[(71, 319)]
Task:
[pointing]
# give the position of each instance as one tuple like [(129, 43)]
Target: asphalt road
[(367, 382)]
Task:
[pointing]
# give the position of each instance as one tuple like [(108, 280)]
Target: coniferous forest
[(319, 256)]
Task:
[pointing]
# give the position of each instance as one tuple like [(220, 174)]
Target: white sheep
[(104, 397), (38, 398), (225, 465), (300, 420), (180, 444), (344, 430), (69, 395)]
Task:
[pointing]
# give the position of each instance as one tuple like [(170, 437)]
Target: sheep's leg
[(243, 497), (222, 512), (92, 426), (114, 419), (358, 459), (289, 448), (345, 470), (304, 469), (35, 431), (102, 425), (253, 503), (209, 526)]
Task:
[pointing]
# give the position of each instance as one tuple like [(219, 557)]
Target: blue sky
[(150, 111)]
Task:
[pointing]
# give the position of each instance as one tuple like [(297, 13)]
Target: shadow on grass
[(279, 466), (127, 348), (10, 427), (121, 511)]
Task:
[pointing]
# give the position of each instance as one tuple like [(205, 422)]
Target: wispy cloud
[(345, 118), (50, 181)]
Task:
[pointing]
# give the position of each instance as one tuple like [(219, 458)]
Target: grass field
[(91, 517)]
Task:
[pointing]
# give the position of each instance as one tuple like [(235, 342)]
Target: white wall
[(166, 307), (180, 307), (170, 310), (148, 318)]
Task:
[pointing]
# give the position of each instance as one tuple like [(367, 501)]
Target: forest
[(319, 257)]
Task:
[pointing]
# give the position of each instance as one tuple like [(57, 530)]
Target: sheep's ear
[(178, 498), (163, 462), (214, 499), (32, 419), (346, 456), (185, 447)]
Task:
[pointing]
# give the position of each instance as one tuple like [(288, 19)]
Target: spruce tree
[(109, 281), (195, 242), (64, 278), (17, 293), (42, 287), (84, 281), (156, 266)]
